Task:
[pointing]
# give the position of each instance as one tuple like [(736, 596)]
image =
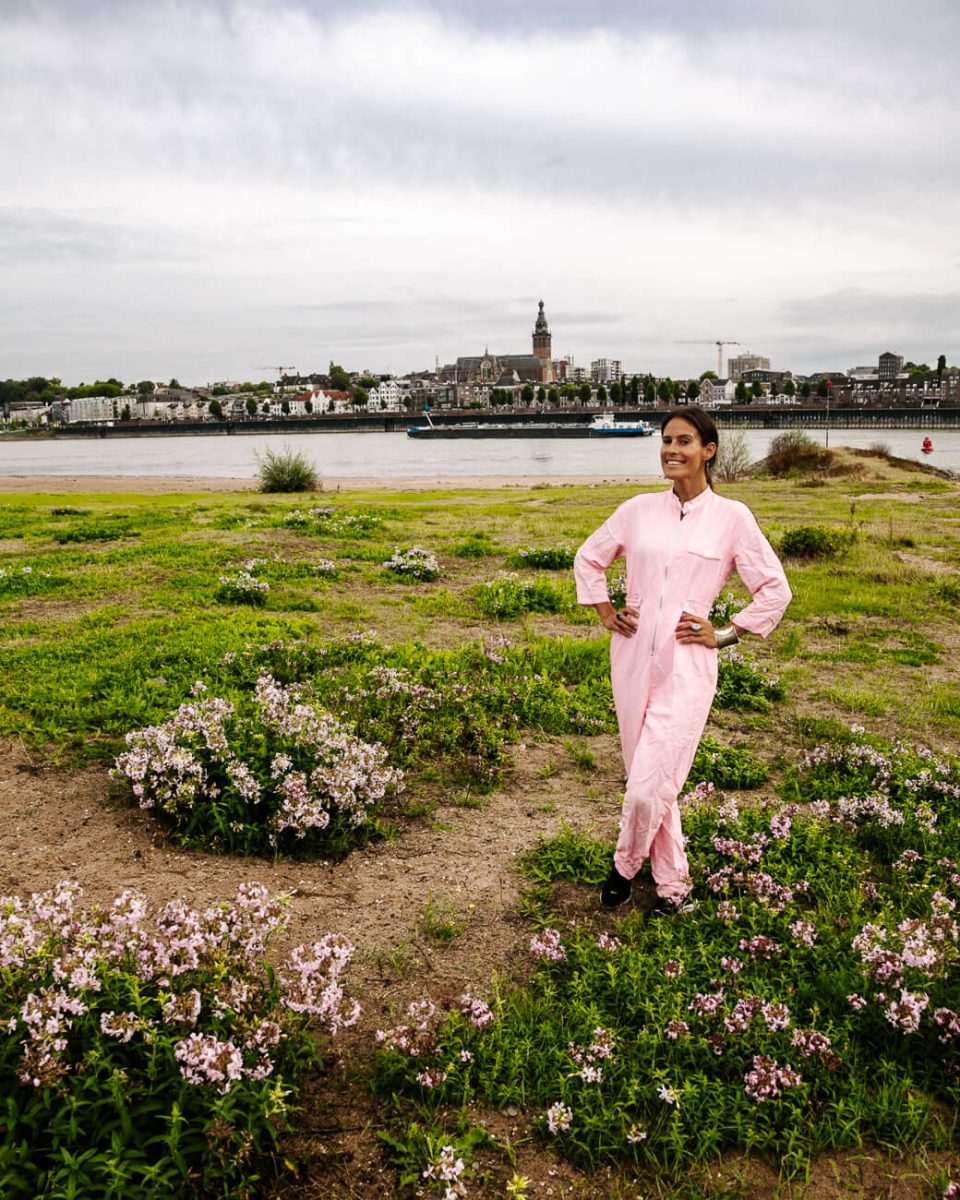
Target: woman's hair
[(702, 422)]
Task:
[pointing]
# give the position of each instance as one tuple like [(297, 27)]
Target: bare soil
[(460, 860)]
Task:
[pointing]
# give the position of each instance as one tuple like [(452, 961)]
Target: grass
[(113, 632)]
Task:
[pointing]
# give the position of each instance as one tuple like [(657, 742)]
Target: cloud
[(406, 180)]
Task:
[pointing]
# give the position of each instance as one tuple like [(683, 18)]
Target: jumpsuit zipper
[(656, 619)]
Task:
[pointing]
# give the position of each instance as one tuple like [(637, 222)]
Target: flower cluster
[(413, 563), (546, 944), (551, 558), (767, 1079), (117, 976), (332, 521), (243, 588), (281, 771), (446, 1169)]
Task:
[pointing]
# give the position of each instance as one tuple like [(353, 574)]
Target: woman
[(681, 546)]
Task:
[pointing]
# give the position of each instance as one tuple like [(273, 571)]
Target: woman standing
[(681, 546)]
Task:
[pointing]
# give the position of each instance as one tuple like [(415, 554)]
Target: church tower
[(542, 347)]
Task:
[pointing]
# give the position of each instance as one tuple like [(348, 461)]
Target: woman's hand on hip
[(691, 628), (622, 621)]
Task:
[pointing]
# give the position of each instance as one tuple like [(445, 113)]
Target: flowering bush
[(812, 1000), (281, 775), (745, 684), (24, 581), (507, 596), (243, 588), (548, 558), (413, 563), (460, 707), (153, 1055), (332, 522)]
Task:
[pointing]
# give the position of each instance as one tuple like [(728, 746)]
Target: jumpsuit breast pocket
[(703, 579)]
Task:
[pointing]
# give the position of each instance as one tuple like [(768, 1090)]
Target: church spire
[(541, 325)]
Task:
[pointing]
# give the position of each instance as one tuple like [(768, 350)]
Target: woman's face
[(683, 457)]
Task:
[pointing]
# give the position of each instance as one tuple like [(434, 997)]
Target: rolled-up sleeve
[(762, 573), (592, 559)]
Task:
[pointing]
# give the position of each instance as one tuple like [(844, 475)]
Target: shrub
[(816, 541), (732, 461), (278, 775), (153, 1056), (456, 708), (332, 522), (413, 563), (794, 452), (743, 684), (474, 545), (548, 558), (508, 596), (243, 588), (286, 471), (726, 766)]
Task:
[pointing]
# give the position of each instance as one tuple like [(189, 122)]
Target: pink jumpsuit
[(678, 557)]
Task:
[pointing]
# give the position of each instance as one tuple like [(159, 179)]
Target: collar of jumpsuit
[(688, 506)]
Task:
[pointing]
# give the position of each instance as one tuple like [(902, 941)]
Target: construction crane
[(718, 342)]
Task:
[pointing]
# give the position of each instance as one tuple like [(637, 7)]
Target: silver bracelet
[(727, 636)]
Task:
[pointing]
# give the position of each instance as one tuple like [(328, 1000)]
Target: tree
[(585, 393), (541, 394), (308, 406), (822, 390), (789, 388), (941, 367), (708, 375), (649, 391), (665, 390), (251, 406), (806, 389), (635, 391), (125, 413), (601, 394), (339, 379), (285, 407), (216, 409), (693, 390), (568, 393), (756, 390), (527, 393), (145, 387), (616, 392), (740, 392), (553, 396), (368, 382), (174, 383), (359, 398)]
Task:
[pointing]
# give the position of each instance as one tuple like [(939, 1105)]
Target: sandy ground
[(152, 485)]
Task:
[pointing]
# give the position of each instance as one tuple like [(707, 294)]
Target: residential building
[(739, 363), (889, 367), (606, 370)]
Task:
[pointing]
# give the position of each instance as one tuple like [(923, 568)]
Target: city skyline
[(214, 188)]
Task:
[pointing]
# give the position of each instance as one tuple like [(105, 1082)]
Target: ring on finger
[(695, 626)]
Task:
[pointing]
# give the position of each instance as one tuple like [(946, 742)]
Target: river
[(394, 456)]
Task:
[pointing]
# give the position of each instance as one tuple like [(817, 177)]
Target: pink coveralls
[(678, 557)]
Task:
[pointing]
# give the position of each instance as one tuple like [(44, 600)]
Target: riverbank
[(154, 485)]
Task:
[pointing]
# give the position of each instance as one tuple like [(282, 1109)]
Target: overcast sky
[(214, 188)]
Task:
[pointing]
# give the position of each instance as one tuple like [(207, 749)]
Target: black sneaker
[(616, 890), (669, 906)]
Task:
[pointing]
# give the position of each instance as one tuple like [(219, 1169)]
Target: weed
[(286, 471), (441, 922)]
